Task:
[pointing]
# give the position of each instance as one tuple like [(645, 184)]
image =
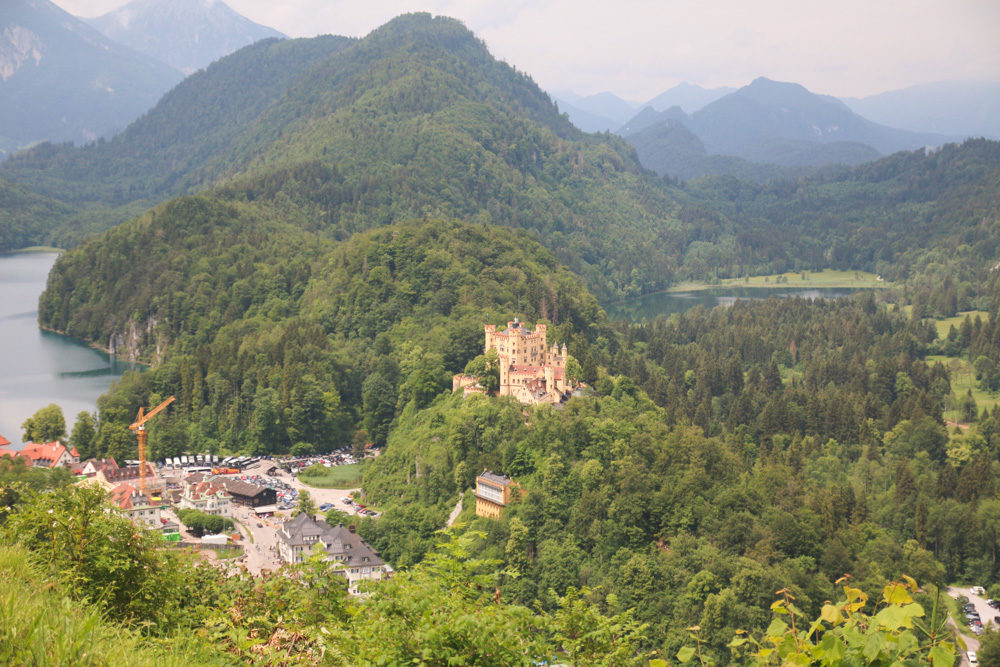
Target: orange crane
[(139, 426)]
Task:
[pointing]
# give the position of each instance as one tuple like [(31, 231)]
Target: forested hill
[(169, 150), (415, 118), (904, 214), (275, 339)]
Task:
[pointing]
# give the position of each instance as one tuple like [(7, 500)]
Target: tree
[(486, 369), (378, 399), (306, 505), (84, 435), (46, 425)]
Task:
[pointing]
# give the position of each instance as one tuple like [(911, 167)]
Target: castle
[(530, 371)]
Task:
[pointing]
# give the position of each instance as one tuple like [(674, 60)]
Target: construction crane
[(139, 426)]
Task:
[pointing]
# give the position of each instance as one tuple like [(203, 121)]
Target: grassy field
[(34, 248), (803, 279), (963, 378), (337, 477), (943, 326)]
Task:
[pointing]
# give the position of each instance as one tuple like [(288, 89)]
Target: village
[(255, 514), (248, 501)]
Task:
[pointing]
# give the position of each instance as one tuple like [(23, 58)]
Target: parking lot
[(987, 616)]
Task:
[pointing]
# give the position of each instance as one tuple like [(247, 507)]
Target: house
[(247, 494), (91, 467), (136, 506), (207, 496), (530, 370), (46, 455), (111, 476), (493, 493), (354, 559)]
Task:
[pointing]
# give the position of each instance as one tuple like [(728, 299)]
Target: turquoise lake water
[(39, 367)]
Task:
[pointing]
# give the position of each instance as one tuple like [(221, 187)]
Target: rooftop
[(502, 480)]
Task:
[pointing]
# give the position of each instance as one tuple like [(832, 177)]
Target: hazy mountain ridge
[(64, 81), (186, 34), (962, 108), (770, 123)]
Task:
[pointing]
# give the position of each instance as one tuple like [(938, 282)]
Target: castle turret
[(490, 329)]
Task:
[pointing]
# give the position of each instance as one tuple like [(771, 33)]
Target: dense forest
[(275, 341), (349, 221)]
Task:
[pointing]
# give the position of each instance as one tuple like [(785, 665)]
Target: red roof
[(4, 441), (47, 454), (127, 496)]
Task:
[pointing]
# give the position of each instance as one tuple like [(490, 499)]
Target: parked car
[(325, 506), (973, 658), (978, 590)]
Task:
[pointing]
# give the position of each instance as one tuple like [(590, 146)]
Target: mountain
[(61, 80), (649, 117), (669, 148), (959, 108), (186, 34), (767, 120), (417, 118), (688, 96), (774, 123), (595, 113), (182, 145)]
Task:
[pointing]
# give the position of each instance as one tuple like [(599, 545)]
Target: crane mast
[(139, 426)]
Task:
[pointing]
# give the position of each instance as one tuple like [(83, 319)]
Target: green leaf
[(893, 618), (776, 629), (896, 594), (685, 654), (830, 614), (942, 656)]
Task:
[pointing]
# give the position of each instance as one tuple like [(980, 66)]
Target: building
[(530, 370), (493, 493), (91, 467), (136, 506), (46, 455), (111, 476), (247, 494), (206, 496), (355, 559)]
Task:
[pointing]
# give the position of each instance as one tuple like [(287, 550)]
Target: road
[(986, 613), (262, 553)]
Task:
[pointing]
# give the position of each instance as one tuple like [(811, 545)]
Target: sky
[(640, 48)]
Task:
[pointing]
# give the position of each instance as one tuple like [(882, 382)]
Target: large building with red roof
[(46, 454)]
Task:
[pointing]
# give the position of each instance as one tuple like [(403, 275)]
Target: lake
[(39, 367), (650, 306)]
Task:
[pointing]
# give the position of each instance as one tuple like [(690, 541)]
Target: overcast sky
[(639, 48)]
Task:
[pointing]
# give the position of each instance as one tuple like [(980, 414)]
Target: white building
[(355, 559)]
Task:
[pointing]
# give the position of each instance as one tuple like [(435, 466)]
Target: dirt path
[(455, 512)]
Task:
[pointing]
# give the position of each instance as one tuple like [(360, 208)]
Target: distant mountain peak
[(188, 34), (18, 46)]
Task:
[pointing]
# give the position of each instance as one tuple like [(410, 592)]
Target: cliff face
[(137, 341)]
